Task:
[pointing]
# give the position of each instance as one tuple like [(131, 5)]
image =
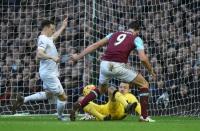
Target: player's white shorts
[(117, 70), (52, 84)]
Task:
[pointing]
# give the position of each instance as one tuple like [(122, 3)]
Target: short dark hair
[(134, 25), (46, 23)]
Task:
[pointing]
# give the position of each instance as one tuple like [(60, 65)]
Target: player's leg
[(77, 105), (20, 100), (37, 96), (52, 84), (144, 96), (90, 97), (57, 89), (60, 107), (96, 92), (103, 79), (92, 109), (109, 70), (61, 102), (130, 76), (101, 112), (17, 103)]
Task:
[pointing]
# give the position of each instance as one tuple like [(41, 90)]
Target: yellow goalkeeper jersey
[(114, 108)]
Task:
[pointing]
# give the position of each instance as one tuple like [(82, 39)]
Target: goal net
[(170, 30)]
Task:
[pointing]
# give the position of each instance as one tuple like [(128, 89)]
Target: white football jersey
[(48, 66)]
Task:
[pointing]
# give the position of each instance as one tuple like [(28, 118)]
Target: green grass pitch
[(50, 123)]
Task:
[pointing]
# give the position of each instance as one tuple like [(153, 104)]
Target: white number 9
[(120, 38)]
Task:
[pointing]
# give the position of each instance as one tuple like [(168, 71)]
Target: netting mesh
[(170, 30)]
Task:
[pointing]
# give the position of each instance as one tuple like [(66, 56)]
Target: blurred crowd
[(170, 30)]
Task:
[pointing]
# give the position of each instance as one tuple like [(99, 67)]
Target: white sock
[(60, 107), (36, 96)]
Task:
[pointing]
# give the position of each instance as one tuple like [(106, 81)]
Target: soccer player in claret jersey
[(48, 55), (113, 64)]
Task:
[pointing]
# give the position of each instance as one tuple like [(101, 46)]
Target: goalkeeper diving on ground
[(113, 109)]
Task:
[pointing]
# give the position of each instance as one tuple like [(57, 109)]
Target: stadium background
[(171, 33)]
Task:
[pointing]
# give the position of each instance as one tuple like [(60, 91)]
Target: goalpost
[(170, 30)]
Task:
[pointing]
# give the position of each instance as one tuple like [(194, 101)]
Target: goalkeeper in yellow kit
[(113, 110)]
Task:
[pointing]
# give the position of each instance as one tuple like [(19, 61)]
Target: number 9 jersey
[(120, 45)]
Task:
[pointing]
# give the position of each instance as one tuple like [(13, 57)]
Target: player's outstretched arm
[(145, 61), (90, 49), (60, 30)]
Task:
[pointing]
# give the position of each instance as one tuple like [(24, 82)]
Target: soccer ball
[(87, 89)]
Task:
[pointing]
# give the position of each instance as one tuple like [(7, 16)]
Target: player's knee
[(140, 81), (62, 97), (49, 95), (65, 98), (146, 84)]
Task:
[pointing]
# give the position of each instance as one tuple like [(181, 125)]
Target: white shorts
[(52, 84), (117, 70)]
